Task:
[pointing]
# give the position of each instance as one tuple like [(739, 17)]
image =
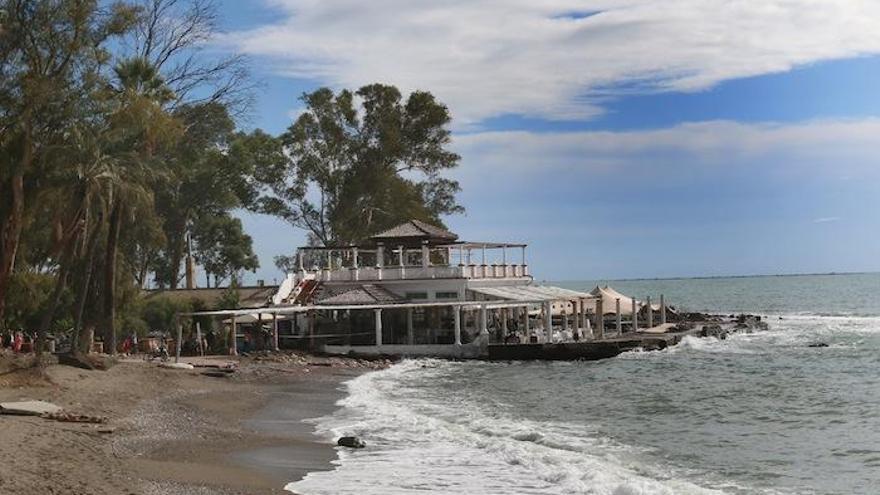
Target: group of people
[(16, 340)]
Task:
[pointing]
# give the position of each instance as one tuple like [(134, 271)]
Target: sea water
[(761, 413)]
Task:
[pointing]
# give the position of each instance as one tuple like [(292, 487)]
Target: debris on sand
[(29, 408)]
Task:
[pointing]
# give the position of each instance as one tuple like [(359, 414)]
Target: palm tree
[(139, 123)]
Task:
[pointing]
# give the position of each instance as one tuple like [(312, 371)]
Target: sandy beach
[(172, 431)]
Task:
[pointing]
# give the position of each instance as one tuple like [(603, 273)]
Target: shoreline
[(173, 432)]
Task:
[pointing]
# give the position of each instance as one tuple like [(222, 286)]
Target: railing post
[(650, 313)]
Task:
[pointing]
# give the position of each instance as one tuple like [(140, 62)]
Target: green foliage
[(370, 167), (222, 247), (229, 299), (28, 295), (159, 312)]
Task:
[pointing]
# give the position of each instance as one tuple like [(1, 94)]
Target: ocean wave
[(415, 443)]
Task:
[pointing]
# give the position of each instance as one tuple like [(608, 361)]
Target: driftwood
[(86, 361), (75, 418)]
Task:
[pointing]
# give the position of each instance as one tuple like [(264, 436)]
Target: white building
[(418, 290)]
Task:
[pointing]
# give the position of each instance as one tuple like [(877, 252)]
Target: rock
[(711, 331), (216, 374), (29, 408), (817, 344), (351, 442)]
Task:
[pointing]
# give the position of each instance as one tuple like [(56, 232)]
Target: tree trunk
[(178, 241), (49, 315), (10, 234), (82, 296), (110, 278)]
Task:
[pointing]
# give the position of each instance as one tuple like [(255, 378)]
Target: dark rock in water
[(711, 331), (682, 326), (351, 442), (817, 344)]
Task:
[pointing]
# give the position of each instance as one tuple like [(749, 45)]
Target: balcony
[(418, 272)]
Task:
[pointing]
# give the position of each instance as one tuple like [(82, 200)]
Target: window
[(416, 295), (446, 295)]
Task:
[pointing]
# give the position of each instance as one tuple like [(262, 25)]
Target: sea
[(760, 413)]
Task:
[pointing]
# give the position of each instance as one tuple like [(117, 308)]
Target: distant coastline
[(713, 277)]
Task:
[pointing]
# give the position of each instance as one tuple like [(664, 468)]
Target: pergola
[(523, 303)]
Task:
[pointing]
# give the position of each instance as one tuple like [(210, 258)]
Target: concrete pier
[(600, 348)]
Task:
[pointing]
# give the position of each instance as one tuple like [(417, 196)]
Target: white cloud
[(826, 219), (545, 58), (826, 147)]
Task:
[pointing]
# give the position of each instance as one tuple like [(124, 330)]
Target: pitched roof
[(364, 294), (416, 229)]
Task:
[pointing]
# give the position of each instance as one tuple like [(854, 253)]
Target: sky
[(618, 138)]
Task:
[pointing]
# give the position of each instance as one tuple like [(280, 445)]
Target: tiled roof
[(417, 229), (364, 294)]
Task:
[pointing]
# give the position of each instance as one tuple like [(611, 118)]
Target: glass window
[(416, 295), (446, 295)]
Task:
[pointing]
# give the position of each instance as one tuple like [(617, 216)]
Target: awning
[(531, 293)]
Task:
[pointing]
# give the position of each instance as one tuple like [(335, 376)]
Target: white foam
[(415, 443)]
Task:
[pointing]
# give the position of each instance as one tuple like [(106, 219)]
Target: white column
[(233, 346), (456, 314), (600, 319), (380, 255), (274, 331), (565, 317), (526, 330), (619, 321), (548, 321), (662, 310), (355, 275), (504, 321), (484, 320), (410, 335), (177, 342), (378, 317), (198, 338), (650, 314), (400, 262), (635, 316), (426, 255)]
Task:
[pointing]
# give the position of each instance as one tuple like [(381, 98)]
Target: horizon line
[(712, 277)]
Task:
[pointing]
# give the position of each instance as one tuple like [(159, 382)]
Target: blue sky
[(646, 139)]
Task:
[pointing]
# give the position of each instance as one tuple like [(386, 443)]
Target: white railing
[(419, 272)]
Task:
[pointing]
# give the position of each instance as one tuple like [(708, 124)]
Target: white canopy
[(609, 301), (531, 293)]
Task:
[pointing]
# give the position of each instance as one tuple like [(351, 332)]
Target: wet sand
[(173, 431)]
